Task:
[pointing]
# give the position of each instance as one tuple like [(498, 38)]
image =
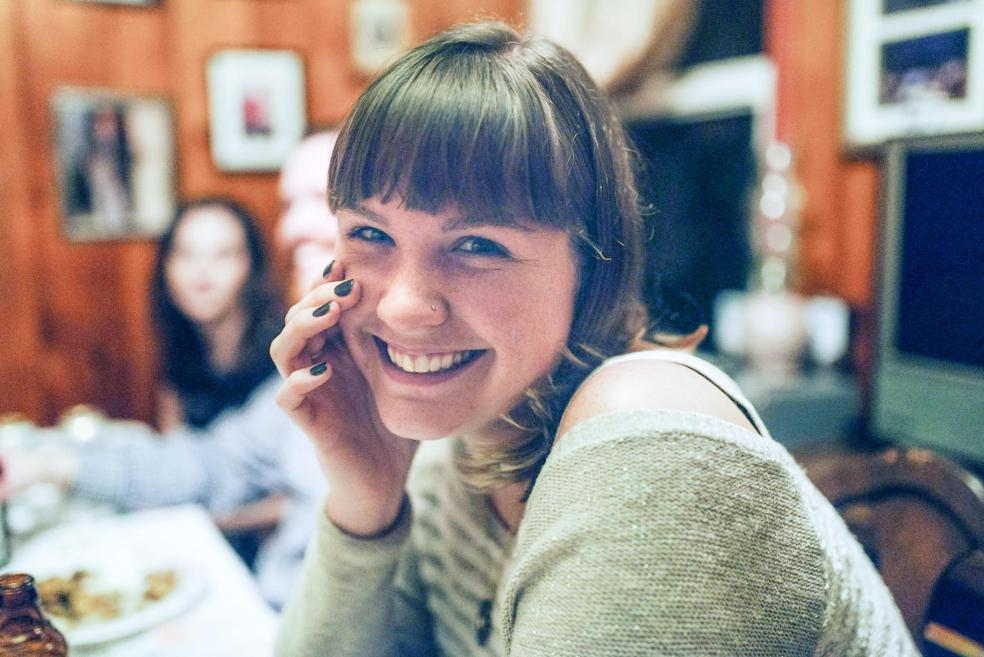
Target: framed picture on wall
[(913, 67), (256, 107), (115, 160), (380, 30)]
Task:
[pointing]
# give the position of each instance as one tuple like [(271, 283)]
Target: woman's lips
[(426, 364)]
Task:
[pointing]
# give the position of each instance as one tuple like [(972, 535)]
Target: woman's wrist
[(364, 519)]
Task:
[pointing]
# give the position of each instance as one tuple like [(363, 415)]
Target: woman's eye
[(369, 234), (483, 247)]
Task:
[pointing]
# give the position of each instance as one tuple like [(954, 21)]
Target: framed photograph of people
[(913, 67), (115, 161), (256, 106)]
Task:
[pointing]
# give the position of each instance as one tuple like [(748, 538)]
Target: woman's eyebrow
[(453, 223), (459, 223), (367, 213)]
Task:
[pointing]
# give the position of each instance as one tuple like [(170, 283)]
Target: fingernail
[(322, 310), (327, 272), (319, 369), (343, 288)]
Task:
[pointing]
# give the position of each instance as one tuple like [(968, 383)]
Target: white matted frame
[(913, 67), (115, 163), (256, 106)]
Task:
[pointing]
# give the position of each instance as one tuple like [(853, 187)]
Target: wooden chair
[(915, 513)]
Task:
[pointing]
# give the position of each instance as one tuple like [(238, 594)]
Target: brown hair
[(504, 128)]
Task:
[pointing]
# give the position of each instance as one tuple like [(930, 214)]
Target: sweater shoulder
[(651, 520)]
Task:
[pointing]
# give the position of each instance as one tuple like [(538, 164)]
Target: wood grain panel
[(806, 41), (21, 389), (94, 322), (839, 236), (75, 326)]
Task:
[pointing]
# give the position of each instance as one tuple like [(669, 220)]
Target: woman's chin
[(418, 427)]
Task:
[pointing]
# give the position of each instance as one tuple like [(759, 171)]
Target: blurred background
[(761, 128), (813, 174)]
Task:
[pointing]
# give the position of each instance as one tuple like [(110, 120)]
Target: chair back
[(917, 515)]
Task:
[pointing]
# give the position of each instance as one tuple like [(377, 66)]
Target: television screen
[(941, 277), (929, 379)]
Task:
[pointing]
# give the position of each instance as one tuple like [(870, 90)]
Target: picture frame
[(257, 113), (913, 68), (380, 31), (115, 162)]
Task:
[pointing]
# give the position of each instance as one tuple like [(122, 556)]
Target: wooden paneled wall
[(74, 324), (806, 38), (74, 318)]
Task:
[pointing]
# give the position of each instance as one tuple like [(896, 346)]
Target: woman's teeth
[(424, 363)]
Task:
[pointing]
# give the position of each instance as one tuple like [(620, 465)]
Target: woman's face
[(208, 265), (455, 319)]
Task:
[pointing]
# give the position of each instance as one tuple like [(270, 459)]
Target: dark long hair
[(185, 361), (508, 128)]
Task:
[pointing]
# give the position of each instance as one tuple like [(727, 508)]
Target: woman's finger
[(314, 351), (303, 335), (319, 292), (300, 383), (308, 322)]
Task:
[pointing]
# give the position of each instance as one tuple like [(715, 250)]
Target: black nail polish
[(327, 272), (322, 310), (343, 288), (319, 369)]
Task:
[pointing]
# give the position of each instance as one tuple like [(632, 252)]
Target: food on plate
[(79, 598), (159, 584), (70, 598)]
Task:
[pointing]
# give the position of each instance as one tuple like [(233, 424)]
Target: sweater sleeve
[(648, 534), (236, 460), (358, 597)]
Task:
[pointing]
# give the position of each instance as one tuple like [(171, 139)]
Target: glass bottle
[(24, 631)]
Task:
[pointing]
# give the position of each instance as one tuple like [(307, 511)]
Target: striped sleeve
[(349, 604), (236, 460)]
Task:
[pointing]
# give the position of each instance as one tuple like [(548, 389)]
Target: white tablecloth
[(228, 618)]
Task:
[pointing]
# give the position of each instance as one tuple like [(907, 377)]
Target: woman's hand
[(327, 396), (21, 468)]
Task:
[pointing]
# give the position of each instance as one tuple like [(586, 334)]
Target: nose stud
[(433, 308)]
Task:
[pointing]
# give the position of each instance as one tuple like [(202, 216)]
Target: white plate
[(188, 591), (118, 563)]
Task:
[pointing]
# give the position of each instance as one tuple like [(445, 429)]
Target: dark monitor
[(928, 386)]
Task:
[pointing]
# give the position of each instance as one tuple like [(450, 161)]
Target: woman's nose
[(412, 300)]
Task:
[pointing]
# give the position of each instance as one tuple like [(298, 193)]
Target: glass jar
[(24, 630)]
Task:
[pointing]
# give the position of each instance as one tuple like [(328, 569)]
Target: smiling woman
[(580, 491)]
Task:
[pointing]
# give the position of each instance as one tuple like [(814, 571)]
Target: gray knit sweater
[(647, 533)]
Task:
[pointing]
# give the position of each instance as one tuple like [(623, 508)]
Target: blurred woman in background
[(215, 310), (244, 459)]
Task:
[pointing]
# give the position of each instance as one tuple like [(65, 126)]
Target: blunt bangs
[(468, 126)]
